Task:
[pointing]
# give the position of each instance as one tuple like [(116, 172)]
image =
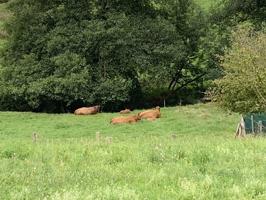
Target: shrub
[(243, 87)]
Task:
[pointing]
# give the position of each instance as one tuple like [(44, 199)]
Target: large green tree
[(62, 54)]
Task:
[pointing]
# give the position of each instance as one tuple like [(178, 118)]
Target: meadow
[(190, 153)]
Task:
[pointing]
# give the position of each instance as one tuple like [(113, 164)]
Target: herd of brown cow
[(150, 115)]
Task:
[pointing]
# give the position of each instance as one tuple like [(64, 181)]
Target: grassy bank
[(189, 153)]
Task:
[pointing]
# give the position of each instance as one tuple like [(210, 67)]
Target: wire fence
[(255, 123)]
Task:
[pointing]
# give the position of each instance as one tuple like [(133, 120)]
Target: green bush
[(243, 87)]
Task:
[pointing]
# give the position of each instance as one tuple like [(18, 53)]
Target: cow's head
[(97, 108), (137, 117), (157, 108)]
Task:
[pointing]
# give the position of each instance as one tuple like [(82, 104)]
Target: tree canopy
[(66, 53), (117, 53)]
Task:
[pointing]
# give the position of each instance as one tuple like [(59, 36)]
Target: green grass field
[(190, 153)]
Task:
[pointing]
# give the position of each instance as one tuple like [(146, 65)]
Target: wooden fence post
[(241, 129), (252, 124), (260, 126)]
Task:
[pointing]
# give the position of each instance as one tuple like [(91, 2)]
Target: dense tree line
[(64, 54)]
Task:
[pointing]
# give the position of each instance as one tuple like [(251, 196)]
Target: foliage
[(235, 11), (224, 17), (63, 55), (206, 4), (211, 46), (190, 21), (243, 87), (4, 15)]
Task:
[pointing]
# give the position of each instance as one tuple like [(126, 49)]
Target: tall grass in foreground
[(190, 153)]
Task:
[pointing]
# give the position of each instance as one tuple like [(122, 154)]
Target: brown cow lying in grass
[(126, 111), (150, 115), (87, 110), (125, 120)]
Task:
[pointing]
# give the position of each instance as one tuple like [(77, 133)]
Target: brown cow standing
[(124, 120), (150, 115), (87, 110), (126, 111)]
